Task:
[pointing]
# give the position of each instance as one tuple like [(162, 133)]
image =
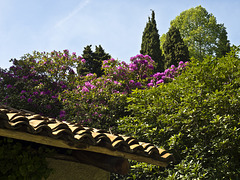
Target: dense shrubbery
[(47, 84), (99, 102), (196, 117)]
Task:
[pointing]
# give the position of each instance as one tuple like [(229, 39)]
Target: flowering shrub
[(46, 83), (35, 81), (99, 102)]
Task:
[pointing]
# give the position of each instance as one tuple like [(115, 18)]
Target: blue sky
[(117, 25)]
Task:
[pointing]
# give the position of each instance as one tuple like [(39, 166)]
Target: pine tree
[(93, 62), (151, 43), (174, 48), (223, 44)]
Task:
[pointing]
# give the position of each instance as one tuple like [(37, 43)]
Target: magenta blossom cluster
[(168, 75), (94, 97), (47, 83)]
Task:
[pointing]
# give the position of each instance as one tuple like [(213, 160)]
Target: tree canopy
[(92, 61), (201, 32), (174, 48), (151, 43)]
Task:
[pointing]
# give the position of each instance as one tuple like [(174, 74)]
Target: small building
[(95, 152)]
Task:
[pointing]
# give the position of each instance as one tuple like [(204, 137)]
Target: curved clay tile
[(25, 125)]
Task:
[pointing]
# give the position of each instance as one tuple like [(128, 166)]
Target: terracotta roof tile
[(75, 136)]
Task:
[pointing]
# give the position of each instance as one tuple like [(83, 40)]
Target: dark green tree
[(151, 43), (174, 48), (223, 44), (93, 60)]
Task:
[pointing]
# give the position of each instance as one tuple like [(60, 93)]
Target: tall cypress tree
[(174, 48), (223, 44), (94, 60), (151, 43)]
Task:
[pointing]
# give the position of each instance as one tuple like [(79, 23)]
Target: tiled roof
[(28, 126)]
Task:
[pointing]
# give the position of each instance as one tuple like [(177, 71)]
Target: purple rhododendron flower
[(181, 63), (138, 84), (144, 76), (93, 86), (64, 86), (35, 93), (116, 82), (83, 60), (131, 81), (90, 74), (119, 68), (85, 89), (9, 86), (30, 100), (87, 84), (62, 114), (66, 51), (105, 61), (147, 57), (150, 66), (135, 62), (144, 61), (23, 91), (150, 84), (160, 81), (133, 67), (172, 66)]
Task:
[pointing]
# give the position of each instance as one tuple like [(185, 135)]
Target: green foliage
[(201, 32), (20, 160), (151, 43), (174, 48), (93, 61), (196, 117)]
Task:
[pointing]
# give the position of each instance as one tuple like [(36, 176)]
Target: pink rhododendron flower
[(85, 89)]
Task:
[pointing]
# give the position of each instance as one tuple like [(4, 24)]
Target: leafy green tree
[(151, 43), (174, 48), (93, 61), (201, 32), (196, 117)]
